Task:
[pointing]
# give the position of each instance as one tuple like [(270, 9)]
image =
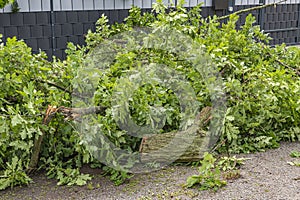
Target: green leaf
[(295, 154), (294, 163), (17, 119)]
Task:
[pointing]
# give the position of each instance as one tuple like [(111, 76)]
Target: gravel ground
[(265, 176)]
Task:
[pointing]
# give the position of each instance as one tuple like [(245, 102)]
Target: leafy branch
[(54, 85), (69, 114), (3, 3)]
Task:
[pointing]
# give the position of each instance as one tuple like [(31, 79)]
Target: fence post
[(52, 23), (298, 26)]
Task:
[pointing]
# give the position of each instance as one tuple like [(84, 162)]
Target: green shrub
[(3, 3)]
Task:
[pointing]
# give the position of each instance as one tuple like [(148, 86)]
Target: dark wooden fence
[(50, 31)]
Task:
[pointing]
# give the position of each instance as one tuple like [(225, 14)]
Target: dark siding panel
[(67, 29), (60, 17), (4, 20), (59, 54), (2, 30), (44, 43), (73, 39), (83, 16), (81, 40), (94, 16), (49, 53), (36, 31), (24, 32), (88, 26), (113, 16), (43, 18), (57, 30), (61, 42), (78, 29), (32, 43), (47, 31), (72, 17), (11, 31), (16, 19), (123, 14), (30, 18)]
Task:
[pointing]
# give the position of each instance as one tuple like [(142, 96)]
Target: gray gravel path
[(266, 176)]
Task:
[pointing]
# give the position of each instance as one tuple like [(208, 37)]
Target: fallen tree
[(261, 83), (152, 147)]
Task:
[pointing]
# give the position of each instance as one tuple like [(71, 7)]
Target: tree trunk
[(69, 114), (182, 146)]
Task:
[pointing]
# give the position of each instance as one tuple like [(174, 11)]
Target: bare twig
[(54, 85), (286, 66), (282, 63), (61, 88), (251, 9)]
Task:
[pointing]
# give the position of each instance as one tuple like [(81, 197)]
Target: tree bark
[(183, 146), (38, 141)]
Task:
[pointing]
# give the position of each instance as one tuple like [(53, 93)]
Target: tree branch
[(251, 9), (54, 85), (59, 87), (38, 141), (286, 66), (69, 114), (282, 63), (75, 113)]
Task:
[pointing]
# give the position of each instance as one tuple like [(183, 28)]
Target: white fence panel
[(66, 5), (247, 2), (35, 5), (46, 5), (128, 4), (24, 5), (99, 5), (290, 1), (56, 5), (119, 4), (7, 8), (109, 4), (77, 5), (147, 4), (88, 4), (208, 3), (193, 3), (137, 3)]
